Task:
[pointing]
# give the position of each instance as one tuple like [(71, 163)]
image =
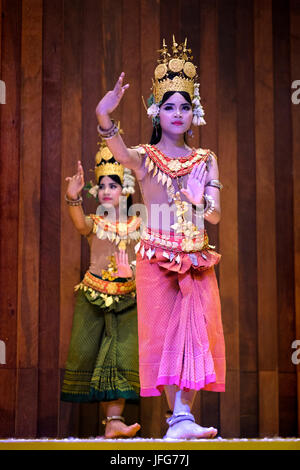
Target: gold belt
[(108, 287), (175, 242)]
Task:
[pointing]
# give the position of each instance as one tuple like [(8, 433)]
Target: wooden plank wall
[(266, 245), (57, 58)]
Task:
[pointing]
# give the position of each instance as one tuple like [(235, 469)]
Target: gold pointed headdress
[(104, 167), (178, 63), (176, 73)]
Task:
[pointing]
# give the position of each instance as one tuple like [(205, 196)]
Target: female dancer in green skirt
[(102, 363)]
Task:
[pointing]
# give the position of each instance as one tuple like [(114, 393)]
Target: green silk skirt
[(102, 363)]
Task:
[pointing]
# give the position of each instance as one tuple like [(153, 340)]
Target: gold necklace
[(119, 233)]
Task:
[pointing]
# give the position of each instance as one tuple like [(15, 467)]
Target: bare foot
[(116, 428), (189, 430)]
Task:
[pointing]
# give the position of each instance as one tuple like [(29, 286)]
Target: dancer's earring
[(190, 133)]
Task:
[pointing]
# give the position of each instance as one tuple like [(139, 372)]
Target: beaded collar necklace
[(167, 168)]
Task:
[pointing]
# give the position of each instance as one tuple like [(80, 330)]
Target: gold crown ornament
[(178, 63), (175, 72), (104, 167)]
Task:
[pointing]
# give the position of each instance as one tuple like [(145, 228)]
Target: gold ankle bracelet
[(112, 418), (181, 416)]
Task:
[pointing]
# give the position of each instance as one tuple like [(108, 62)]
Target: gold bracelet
[(209, 204), (73, 202), (215, 184), (108, 133), (102, 131)]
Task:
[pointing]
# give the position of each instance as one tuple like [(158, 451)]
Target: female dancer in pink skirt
[(181, 342)]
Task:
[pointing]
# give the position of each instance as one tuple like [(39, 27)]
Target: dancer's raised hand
[(111, 100), (76, 183), (124, 270), (196, 184)]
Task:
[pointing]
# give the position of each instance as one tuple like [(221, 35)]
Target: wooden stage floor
[(150, 444)]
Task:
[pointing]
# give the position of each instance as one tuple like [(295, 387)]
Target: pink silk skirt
[(181, 339)]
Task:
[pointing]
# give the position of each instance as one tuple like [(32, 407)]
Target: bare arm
[(213, 174), (75, 186), (127, 157)]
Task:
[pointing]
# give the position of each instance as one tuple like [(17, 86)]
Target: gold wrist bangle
[(73, 202), (209, 204), (105, 131), (102, 131), (108, 133)]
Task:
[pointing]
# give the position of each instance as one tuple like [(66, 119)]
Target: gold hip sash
[(108, 287), (175, 242)]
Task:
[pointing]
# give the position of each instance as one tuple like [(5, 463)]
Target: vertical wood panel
[(150, 28), (170, 21), (70, 244), (189, 28), (29, 218), (0, 37), (295, 75), (248, 404), (10, 154), (9, 203), (130, 58), (246, 188), (228, 231), (153, 421), (283, 180), (284, 216), (132, 103), (50, 221), (70, 154), (265, 220), (7, 393), (94, 61), (246, 169), (208, 73)]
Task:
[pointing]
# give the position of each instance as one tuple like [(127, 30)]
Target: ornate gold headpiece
[(180, 63), (175, 72), (103, 167)]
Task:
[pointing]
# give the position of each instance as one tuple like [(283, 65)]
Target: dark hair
[(156, 133), (117, 180)]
